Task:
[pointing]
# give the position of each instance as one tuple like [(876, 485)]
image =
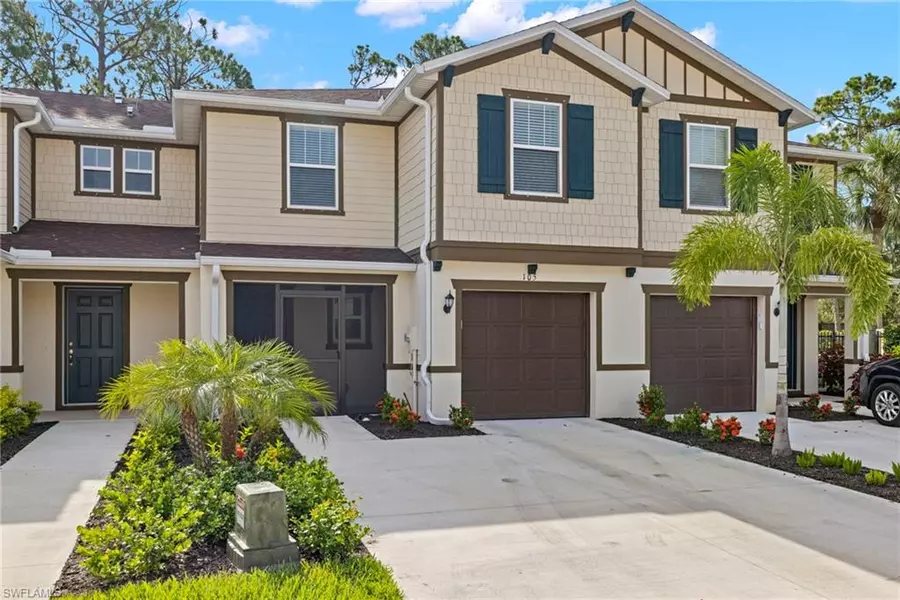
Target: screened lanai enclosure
[(339, 329)]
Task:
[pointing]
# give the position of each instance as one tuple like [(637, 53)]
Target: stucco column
[(10, 356), (809, 317)]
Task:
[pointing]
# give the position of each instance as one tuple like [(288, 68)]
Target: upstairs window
[(96, 169), (536, 157), (709, 147), (312, 178), (139, 171)]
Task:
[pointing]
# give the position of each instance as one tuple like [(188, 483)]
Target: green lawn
[(354, 579)]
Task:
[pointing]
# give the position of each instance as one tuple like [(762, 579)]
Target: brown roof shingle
[(387, 255), (103, 240), (329, 95), (99, 111)]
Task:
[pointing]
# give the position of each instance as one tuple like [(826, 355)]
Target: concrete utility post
[(260, 538)]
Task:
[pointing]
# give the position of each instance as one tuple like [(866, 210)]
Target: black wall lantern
[(630, 271), (448, 302)]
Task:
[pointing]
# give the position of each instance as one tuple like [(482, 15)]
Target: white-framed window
[(709, 147), (536, 158), (312, 173), (138, 171), (96, 169)]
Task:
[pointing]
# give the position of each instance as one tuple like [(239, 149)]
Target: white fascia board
[(816, 152), (292, 105), (711, 53), (320, 265), (92, 262)]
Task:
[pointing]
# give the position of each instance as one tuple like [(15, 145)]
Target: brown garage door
[(704, 356), (524, 355)]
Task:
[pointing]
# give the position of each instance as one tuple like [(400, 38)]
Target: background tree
[(430, 46), (792, 226), (873, 186), (370, 69), (183, 57), (113, 33), (33, 53), (862, 107)]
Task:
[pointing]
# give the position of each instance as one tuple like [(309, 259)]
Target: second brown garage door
[(524, 355), (705, 356)]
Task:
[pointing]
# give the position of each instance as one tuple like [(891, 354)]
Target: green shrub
[(139, 545), (307, 484), (807, 458), (275, 457), (461, 416), (15, 415), (874, 477), (330, 531), (891, 335), (852, 467), (895, 467), (831, 368), (652, 405), (851, 405), (833, 460), (690, 421)]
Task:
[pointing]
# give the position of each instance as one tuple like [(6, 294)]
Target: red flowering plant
[(851, 405), (239, 452), (461, 416), (811, 403), (766, 431), (724, 430), (386, 406), (823, 412), (402, 416)]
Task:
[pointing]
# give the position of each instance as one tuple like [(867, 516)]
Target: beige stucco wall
[(12, 379), (613, 393), (609, 219), (664, 228), (55, 181), (154, 317), (25, 194), (244, 186)]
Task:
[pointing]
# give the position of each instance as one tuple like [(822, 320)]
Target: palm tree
[(798, 233), (159, 387), (259, 384), (873, 187)]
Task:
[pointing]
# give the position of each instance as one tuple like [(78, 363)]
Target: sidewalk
[(47, 490)]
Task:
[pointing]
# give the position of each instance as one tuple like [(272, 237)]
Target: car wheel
[(886, 404)]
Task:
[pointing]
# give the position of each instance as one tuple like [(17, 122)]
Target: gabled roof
[(676, 36), (100, 111), (803, 151)]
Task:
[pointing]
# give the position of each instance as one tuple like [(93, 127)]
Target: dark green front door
[(94, 342)]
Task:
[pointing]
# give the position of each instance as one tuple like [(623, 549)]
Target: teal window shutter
[(671, 163), (580, 151), (491, 144), (745, 136)]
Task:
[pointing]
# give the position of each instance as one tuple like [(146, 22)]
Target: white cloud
[(299, 3), (398, 14), (245, 36), (311, 85), (706, 34), (487, 19), (320, 85)]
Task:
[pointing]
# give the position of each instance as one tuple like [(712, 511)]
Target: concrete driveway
[(583, 509)]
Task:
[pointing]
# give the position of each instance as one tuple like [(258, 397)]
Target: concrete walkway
[(574, 508), (876, 445), (47, 490)]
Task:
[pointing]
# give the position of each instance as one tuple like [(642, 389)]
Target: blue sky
[(804, 48)]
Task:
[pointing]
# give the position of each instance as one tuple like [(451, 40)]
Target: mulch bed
[(202, 558), (798, 412), (13, 445), (752, 451), (386, 431)]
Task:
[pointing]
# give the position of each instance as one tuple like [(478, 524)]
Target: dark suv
[(879, 390)]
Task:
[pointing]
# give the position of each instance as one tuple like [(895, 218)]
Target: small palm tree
[(873, 187), (797, 234), (259, 383)]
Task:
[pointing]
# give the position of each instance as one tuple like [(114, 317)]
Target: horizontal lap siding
[(244, 186), (411, 163)]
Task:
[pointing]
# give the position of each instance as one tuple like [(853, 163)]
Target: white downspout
[(426, 263), (17, 192), (214, 300)]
